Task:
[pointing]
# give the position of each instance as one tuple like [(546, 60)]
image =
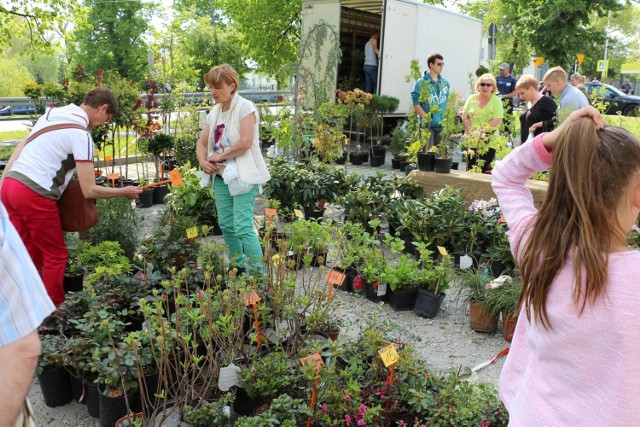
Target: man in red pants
[(38, 172)]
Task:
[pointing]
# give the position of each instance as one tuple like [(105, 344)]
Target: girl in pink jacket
[(575, 355)]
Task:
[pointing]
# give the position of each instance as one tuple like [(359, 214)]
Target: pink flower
[(347, 419), (484, 423), (363, 409), (362, 422), (324, 408)]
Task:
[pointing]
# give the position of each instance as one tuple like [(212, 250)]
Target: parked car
[(617, 101), (5, 111)]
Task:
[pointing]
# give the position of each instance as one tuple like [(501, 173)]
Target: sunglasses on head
[(486, 84)]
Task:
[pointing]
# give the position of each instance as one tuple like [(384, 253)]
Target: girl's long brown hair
[(590, 173)]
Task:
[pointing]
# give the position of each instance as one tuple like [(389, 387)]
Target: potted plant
[(431, 293), (398, 145), (74, 270), (330, 140), (54, 379), (473, 290), (504, 299), (399, 277), (265, 379), (216, 413)]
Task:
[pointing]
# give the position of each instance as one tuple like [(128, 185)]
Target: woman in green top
[(482, 114)]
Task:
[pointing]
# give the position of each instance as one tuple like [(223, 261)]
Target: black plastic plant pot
[(356, 158), (160, 193), (376, 161), (395, 163), (342, 159), (402, 299), (77, 389), (146, 197), (244, 404), (427, 304), (114, 408), (73, 283), (55, 384), (371, 292), (426, 162), (379, 151), (443, 165), (91, 398)]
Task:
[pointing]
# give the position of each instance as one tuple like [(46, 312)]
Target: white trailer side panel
[(398, 50), (418, 30)]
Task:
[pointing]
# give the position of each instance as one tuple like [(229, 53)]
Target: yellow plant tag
[(251, 298), (299, 213), (96, 152), (442, 251), (192, 232), (389, 355)]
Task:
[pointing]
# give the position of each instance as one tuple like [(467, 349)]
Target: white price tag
[(465, 262), (229, 377), (382, 289)]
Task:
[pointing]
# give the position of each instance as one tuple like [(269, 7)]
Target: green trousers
[(235, 216)]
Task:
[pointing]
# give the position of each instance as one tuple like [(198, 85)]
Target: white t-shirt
[(46, 164), (219, 135)]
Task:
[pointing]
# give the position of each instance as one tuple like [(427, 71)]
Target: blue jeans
[(371, 78), (235, 216)]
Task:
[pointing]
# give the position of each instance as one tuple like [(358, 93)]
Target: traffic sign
[(603, 65), (580, 57)]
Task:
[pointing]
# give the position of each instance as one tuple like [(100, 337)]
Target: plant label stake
[(252, 298), (479, 366), (174, 178), (389, 356), (334, 278), (315, 361), (443, 251), (112, 177), (270, 213), (229, 377), (298, 213), (192, 233)]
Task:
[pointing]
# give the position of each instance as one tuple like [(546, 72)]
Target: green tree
[(270, 30), (13, 76), (37, 19), (206, 45), (111, 37)]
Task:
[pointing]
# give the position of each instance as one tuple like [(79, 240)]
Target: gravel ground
[(446, 342)]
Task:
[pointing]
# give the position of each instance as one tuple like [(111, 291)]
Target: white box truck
[(408, 30)]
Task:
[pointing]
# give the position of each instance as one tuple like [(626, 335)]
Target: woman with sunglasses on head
[(228, 150), (483, 112)]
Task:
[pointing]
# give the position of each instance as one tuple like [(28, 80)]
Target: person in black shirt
[(540, 112)]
